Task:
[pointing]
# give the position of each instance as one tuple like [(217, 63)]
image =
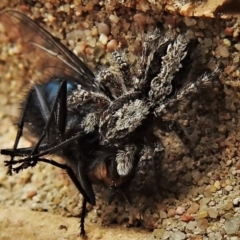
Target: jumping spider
[(103, 125)]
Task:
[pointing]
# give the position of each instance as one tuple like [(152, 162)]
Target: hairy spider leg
[(190, 88), (124, 68), (148, 166)]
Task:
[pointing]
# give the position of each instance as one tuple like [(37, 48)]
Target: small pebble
[(114, 18), (158, 233), (229, 162), (222, 128), (171, 212), (140, 19), (207, 42), (103, 39), (103, 28), (203, 214), (166, 235), (196, 175), (212, 213), (237, 46), (193, 208), (231, 226), (112, 45), (236, 201), (229, 188), (203, 202), (162, 214), (191, 225), (234, 238), (180, 210), (178, 235), (217, 185), (201, 24), (228, 206), (227, 42), (186, 218), (190, 21), (30, 194), (228, 31), (202, 223), (222, 51), (212, 203)]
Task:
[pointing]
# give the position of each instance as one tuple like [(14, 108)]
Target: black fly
[(46, 114)]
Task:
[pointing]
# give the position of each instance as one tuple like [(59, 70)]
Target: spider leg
[(83, 98), (154, 46), (111, 84), (117, 80), (183, 136), (190, 88), (181, 133), (161, 85), (122, 193), (148, 166), (124, 68), (125, 159), (144, 167)]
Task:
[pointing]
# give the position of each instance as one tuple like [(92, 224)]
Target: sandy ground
[(199, 196)]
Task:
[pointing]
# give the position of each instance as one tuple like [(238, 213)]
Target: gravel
[(198, 197)]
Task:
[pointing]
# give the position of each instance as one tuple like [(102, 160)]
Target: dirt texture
[(198, 196)]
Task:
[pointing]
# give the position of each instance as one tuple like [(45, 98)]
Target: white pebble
[(113, 18), (112, 45), (236, 201), (103, 39), (237, 46)]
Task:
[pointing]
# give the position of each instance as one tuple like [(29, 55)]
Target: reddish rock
[(186, 217)]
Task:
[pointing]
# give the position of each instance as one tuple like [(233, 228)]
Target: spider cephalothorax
[(103, 125)]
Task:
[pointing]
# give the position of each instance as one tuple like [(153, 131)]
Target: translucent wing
[(52, 58)]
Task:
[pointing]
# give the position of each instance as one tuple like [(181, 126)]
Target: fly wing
[(52, 58)]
